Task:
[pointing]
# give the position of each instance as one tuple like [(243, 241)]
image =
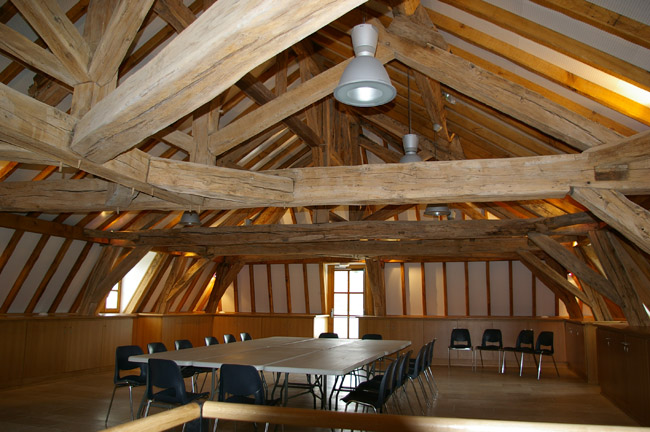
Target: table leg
[(213, 385), (286, 389)]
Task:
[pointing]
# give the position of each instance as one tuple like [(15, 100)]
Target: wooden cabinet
[(575, 348), (624, 369)]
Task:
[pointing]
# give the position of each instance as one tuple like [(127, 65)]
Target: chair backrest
[(122, 354), (241, 380), (545, 341), (428, 358), (182, 344), (402, 369), (460, 338), (154, 347), (372, 336), (492, 337), (386, 384), (418, 365), (245, 336), (211, 340), (525, 338), (328, 335), (166, 375), (228, 338)]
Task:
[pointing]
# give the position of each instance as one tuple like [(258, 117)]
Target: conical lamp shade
[(410, 143), (190, 218), (364, 82)]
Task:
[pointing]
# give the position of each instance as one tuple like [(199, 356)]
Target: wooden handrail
[(348, 420)]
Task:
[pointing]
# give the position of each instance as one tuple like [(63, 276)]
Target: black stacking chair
[(416, 369), (166, 386), (228, 338), (211, 340), (122, 363), (492, 341), (191, 371), (400, 377), (373, 399), (523, 345), (242, 384), (328, 335), (460, 340), (370, 369), (428, 371), (154, 347), (544, 346), (245, 336)]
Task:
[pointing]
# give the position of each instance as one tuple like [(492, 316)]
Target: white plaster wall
[(499, 288), (477, 289), (522, 290), (456, 288), (413, 276), (393, 285), (243, 289)]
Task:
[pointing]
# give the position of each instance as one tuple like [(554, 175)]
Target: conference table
[(286, 355)]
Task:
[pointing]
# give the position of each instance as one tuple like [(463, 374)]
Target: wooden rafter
[(124, 118)]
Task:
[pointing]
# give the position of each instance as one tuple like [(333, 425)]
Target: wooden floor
[(80, 403)]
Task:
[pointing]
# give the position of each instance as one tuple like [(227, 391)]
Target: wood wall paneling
[(12, 351)]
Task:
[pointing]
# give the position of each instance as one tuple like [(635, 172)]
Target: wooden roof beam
[(45, 130), (544, 36), (501, 94), (369, 229), (60, 35), (189, 78)]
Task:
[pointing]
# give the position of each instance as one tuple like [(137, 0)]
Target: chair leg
[(408, 401), (416, 395), (431, 382), (480, 352), (555, 364), (539, 367), (131, 401), (448, 358), (424, 392), (111, 404), (521, 364)]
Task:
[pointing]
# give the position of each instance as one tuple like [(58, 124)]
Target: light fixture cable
[(408, 95)]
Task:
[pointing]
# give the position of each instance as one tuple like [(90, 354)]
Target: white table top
[(286, 354)]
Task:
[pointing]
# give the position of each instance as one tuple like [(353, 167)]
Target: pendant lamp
[(437, 210), (190, 218), (365, 82), (410, 140)]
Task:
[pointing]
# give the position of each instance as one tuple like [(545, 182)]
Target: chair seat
[(169, 396), (372, 384), (241, 400), (488, 348), (544, 351), (526, 350), (132, 380), (363, 397)]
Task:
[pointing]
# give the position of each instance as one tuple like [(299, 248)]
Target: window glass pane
[(356, 281), (340, 281), (341, 326), (111, 300), (354, 328), (340, 304), (356, 304)]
